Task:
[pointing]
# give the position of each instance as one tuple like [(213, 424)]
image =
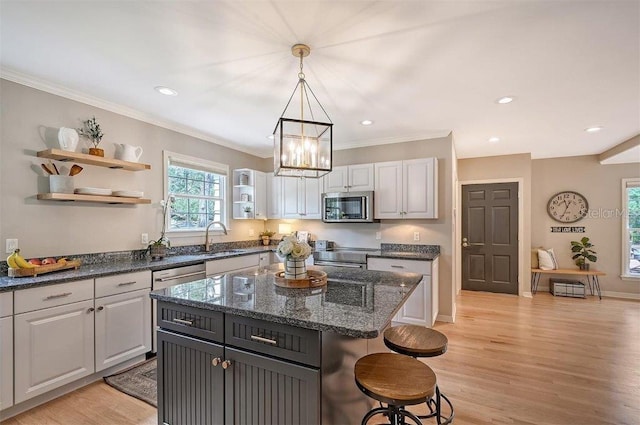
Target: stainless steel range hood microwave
[(347, 207)]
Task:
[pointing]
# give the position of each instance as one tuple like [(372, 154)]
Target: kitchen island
[(237, 349)]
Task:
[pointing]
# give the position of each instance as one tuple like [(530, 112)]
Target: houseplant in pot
[(247, 212), (582, 252), (293, 253), (93, 132), (266, 235), (158, 248)]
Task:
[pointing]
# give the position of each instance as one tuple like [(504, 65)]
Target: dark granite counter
[(404, 255), (356, 303), (90, 271)]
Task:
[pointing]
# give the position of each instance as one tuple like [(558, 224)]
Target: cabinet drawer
[(230, 264), (204, 324), (6, 304), (52, 295), (288, 342), (393, 265), (120, 283)]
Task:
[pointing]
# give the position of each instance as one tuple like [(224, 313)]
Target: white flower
[(290, 247), (284, 248)]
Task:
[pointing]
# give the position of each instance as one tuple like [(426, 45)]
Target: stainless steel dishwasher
[(170, 277)]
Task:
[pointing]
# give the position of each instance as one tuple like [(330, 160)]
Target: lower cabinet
[(123, 327), (6, 362)]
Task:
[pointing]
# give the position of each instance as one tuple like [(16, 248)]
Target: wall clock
[(567, 207)]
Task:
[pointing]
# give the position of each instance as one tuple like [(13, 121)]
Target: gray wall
[(44, 228)]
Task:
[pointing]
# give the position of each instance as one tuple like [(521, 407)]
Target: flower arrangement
[(291, 248), (268, 233), (163, 240), (92, 131)]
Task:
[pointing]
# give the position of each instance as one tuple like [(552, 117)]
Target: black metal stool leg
[(371, 413)]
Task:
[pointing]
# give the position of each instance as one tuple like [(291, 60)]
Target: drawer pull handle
[(101, 308), (216, 361), (184, 322), (64, 294), (262, 339), (126, 283), (226, 364), (397, 267)]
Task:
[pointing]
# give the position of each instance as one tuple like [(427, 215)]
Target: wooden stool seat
[(395, 379), (415, 341)]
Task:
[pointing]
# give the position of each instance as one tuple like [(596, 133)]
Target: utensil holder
[(61, 184)]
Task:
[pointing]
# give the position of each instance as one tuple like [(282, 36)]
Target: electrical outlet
[(378, 236), (144, 239), (252, 232), (12, 245), (416, 236)]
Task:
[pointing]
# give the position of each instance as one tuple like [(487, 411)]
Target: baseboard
[(65, 389), (527, 294), (625, 295), (443, 318)]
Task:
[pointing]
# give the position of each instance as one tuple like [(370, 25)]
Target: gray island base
[(236, 349)]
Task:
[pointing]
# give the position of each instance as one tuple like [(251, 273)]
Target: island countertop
[(356, 303)]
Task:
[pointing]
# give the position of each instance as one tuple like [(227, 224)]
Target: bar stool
[(418, 341), (397, 380)]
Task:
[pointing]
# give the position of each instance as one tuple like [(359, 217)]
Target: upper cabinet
[(301, 198), (350, 178), (406, 189), (274, 196), (249, 194)]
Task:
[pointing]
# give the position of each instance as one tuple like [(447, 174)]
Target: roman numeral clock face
[(567, 207)]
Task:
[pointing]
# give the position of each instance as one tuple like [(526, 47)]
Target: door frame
[(458, 226)]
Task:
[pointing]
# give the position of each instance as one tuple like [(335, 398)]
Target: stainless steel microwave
[(347, 207)]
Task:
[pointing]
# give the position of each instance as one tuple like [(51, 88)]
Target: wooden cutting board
[(70, 264)]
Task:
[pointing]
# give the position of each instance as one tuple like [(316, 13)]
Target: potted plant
[(582, 252), (158, 248), (93, 132), (266, 236), (247, 212)]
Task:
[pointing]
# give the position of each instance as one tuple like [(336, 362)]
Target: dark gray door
[(490, 237), (260, 390), (190, 388)]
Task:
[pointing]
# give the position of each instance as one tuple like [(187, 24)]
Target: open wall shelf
[(91, 198), (60, 155)]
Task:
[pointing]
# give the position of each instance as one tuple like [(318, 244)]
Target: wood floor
[(511, 360)]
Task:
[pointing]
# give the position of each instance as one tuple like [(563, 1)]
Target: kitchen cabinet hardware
[(226, 364), (184, 322), (101, 308), (64, 294), (263, 339), (127, 283), (165, 279), (216, 361), (60, 155), (397, 267), (90, 310)]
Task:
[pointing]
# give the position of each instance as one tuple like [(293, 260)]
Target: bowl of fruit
[(20, 267)]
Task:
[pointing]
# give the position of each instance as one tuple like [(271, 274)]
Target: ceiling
[(418, 69)]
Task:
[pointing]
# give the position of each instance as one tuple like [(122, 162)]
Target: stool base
[(435, 407), (396, 415)]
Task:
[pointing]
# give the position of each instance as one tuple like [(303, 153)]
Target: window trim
[(626, 248), (208, 166)]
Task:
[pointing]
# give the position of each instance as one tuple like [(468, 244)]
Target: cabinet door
[(53, 347), (260, 180), (262, 390), (291, 197), (435, 291), (190, 388), (6, 362), (420, 191), (337, 180), (312, 201), (123, 327), (417, 309), (361, 178), (274, 196), (388, 190)]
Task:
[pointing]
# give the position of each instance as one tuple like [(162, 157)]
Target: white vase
[(295, 268)]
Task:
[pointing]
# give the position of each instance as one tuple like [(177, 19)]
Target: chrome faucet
[(207, 248)]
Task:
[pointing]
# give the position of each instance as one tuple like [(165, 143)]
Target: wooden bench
[(592, 277)]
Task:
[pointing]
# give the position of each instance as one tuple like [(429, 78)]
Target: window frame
[(626, 244), (209, 166)]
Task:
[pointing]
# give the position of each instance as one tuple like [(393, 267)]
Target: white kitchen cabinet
[(6, 350), (249, 193), (261, 195), (53, 347), (406, 189), (301, 198), (122, 327), (274, 196), (422, 306), (350, 178), (225, 265)]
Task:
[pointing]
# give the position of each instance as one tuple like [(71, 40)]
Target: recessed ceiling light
[(505, 99), (494, 139), (166, 91), (366, 122), (593, 129), (270, 136)]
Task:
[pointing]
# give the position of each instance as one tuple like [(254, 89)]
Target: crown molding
[(395, 139), (68, 93)]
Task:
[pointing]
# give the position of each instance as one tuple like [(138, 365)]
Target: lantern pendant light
[(303, 144)]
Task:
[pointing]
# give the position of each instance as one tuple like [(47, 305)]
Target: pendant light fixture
[(303, 144)]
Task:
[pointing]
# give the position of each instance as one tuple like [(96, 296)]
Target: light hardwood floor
[(511, 360)]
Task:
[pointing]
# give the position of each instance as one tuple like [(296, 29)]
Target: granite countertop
[(356, 303), (404, 255), (91, 271)]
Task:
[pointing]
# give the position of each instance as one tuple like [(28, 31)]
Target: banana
[(21, 262), (11, 261)]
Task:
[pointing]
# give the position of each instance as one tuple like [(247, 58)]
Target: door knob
[(464, 244)]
